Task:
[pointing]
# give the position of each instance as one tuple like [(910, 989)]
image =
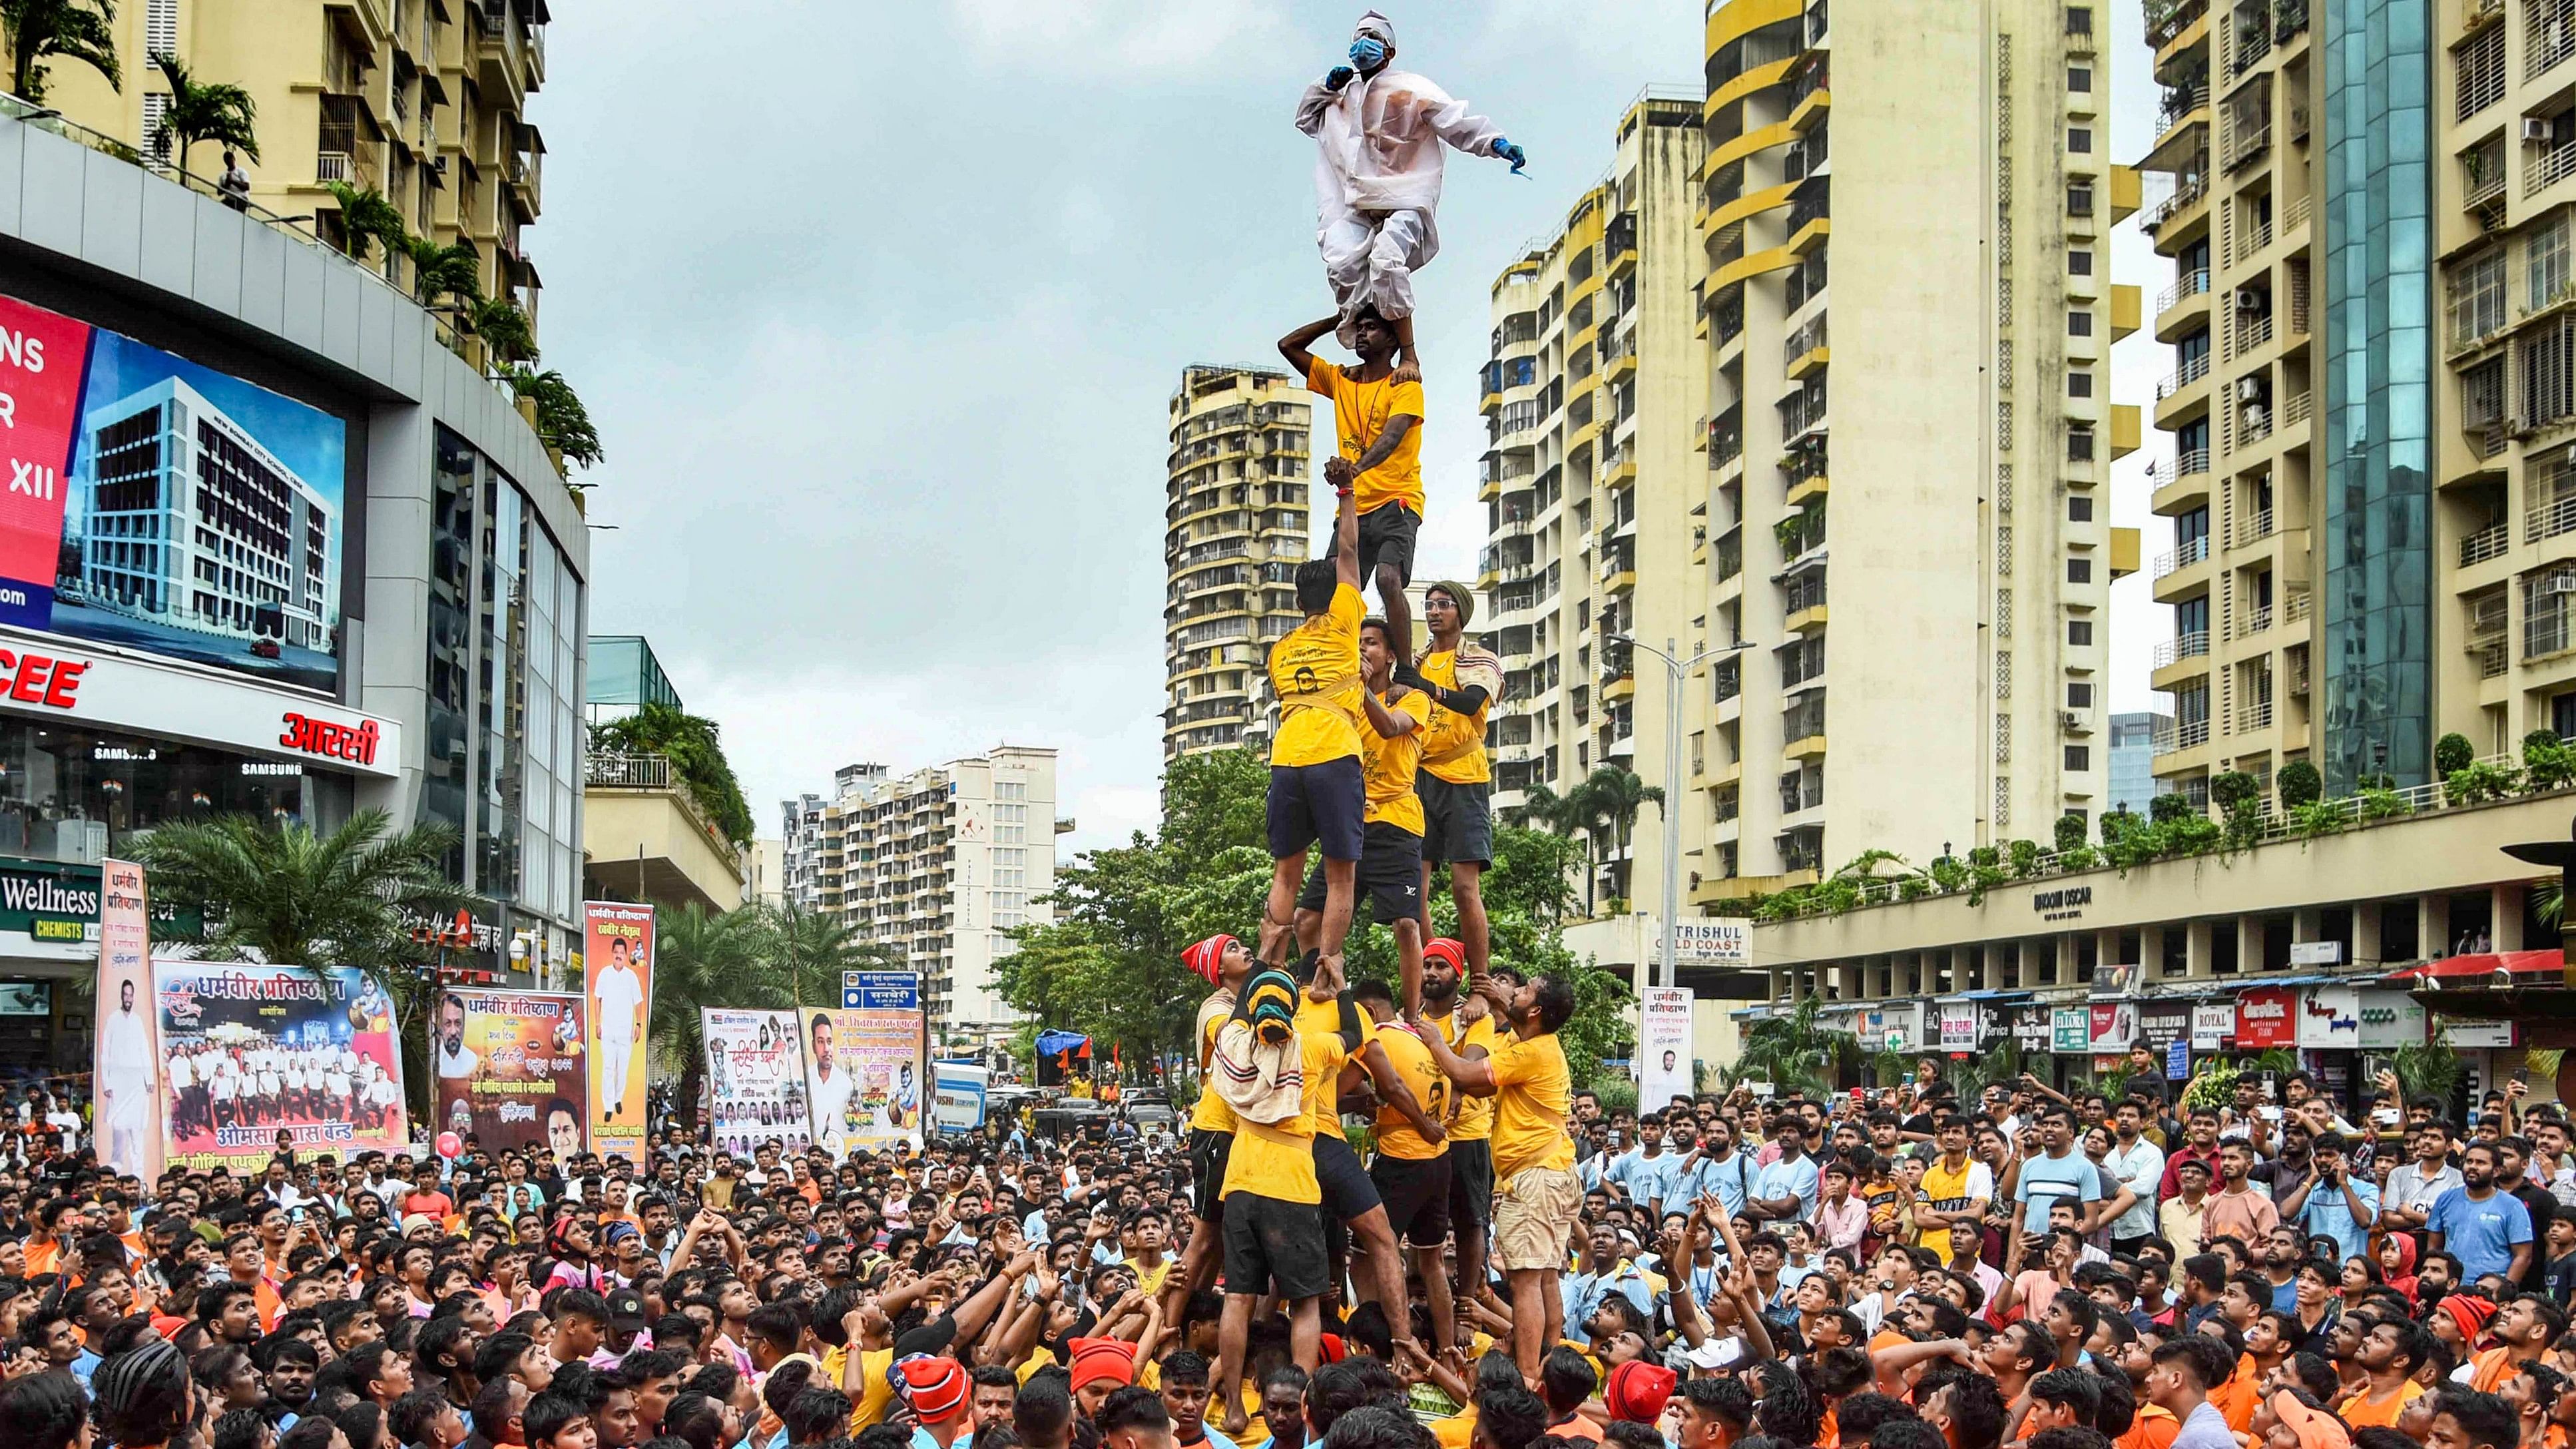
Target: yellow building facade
[(1234, 531)]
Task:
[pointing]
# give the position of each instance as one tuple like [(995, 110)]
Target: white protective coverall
[(1377, 179)]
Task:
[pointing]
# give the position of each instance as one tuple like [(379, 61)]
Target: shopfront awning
[(2004, 995), (2468, 970)]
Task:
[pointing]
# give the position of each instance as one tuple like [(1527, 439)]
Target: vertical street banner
[(1663, 1046), (513, 1068), (128, 1049), (756, 1078), (864, 1073), (617, 959), (311, 1052), (43, 360)]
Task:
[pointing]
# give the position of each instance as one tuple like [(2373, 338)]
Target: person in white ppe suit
[(1378, 132)]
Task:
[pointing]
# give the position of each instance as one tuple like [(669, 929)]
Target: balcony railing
[(2192, 370), (2548, 36), (2172, 470), (2187, 646), (627, 772), (2254, 716), (2549, 520), (2246, 144), (2548, 168), (2179, 102), (2245, 333), (2486, 543), (2257, 620), (2188, 284), (2252, 528), (2187, 193), (2171, 736), (2182, 558), (2491, 656)]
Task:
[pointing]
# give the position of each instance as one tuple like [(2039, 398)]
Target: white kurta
[(1377, 181)]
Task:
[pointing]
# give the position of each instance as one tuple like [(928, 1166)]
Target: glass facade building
[(503, 757), (625, 676), (2377, 541)]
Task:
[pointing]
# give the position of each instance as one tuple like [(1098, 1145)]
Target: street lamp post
[(1676, 669)]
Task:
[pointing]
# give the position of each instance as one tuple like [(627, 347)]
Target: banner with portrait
[(756, 1079), (268, 1049), (863, 1069), (513, 1069), (617, 971), (128, 1045)]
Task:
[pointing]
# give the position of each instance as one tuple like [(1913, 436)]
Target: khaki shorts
[(1534, 1217)]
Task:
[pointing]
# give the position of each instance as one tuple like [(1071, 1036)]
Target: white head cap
[(1375, 24)]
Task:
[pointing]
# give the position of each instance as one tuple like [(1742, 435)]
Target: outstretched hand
[(1338, 77)]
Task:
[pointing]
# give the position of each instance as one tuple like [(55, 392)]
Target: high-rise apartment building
[(1595, 501), (1234, 531), (423, 101), (1906, 209), (937, 864), (2250, 510)]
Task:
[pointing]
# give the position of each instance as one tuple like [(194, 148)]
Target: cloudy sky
[(879, 310)]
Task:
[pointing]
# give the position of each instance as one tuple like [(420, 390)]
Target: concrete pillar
[(2365, 932), (2151, 952), (2307, 923), (2433, 926), (2063, 943), (2507, 911), (2196, 951), (2106, 949), (2249, 945)]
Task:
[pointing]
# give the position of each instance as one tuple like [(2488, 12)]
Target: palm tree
[(1794, 1050), (210, 112), (38, 31), (695, 747), (289, 895), (365, 216), (1617, 794), (704, 960), (444, 271), (812, 950), (504, 329), (563, 424)]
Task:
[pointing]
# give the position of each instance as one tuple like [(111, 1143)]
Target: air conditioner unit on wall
[(2537, 130), (2248, 388), (2559, 584), (2251, 299)]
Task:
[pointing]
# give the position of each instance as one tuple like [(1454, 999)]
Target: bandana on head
[(2469, 1313), (2316, 1429), (1443, 948), (1207, 958), (1095, 1359), (1375, 24)]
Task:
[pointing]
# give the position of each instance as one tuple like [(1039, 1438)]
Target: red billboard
[(2267, 1017)]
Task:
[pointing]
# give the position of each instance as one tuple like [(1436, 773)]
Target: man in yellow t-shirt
[(1222, 962), (1391, 839), (1412, 1165), (1315, 794), (1378, 414), (1534, 1209), (1456, 783), (1471, 1118)]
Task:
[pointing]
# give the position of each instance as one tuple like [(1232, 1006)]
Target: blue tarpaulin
[(1051, 1042)]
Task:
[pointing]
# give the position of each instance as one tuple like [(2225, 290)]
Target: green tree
[(204, 111), (504, 329), (41, 31), (1615, 795), (697, 759), (366, 218), (703, 959), (811, 950), (439, 272), (563, 424), (290, 895), (1794, 1049)]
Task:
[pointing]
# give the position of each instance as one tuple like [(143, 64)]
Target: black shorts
[(1471, 1186), (1311, 803), (1274, 1246), (1386, 537), (1390, 876), (1457, 820), (1208, 1154), (1417, 1197), (1348, 1193)]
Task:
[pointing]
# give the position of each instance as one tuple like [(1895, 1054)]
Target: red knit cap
[(1638, 1391), (934, 1387), (2470, 1313), (1444, 948), (1095, 1359), (1207, 958)]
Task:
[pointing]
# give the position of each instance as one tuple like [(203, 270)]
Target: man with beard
[(2512, 1161), (2390, 1353), (1456, 782), (2487, 1229), (1464, 1022)]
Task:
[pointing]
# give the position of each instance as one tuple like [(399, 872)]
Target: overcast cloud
[(879, 308)]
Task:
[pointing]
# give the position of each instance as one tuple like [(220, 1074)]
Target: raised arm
[(1389, 723), (1346, 523), (1293, 346), (1392, 1090), (1474, 1075)]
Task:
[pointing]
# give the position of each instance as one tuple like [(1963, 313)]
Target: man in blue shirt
[(1605, 1272), (2488, 1230), (2060, 1174), (2334, 1202), (1785, 1191), (1715, 1165), (1646, 1169)]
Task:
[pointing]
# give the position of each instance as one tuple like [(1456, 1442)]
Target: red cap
[(1638, 1391), (934, 1387), (1207, 958), (1095, 1359), (2469, 1312), (1446, 949)]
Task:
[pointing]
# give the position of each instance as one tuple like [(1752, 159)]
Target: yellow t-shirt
[(1150, 1283), (1471, 1119), (1315, 672), (1361, 411), (1412, 1062), (1532, 1090), (1947, 1191), (2359, 1412), (1212, 1114), (1278, 1162), (1388, 765), (1453, 744), (875, 1394)]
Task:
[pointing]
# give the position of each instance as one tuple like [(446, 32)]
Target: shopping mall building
[(2341, 948), (271, 547)]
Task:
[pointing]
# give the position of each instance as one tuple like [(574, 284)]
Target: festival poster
[(617, 957), (756, 1079), (128, 1046), (513, 1069), (310, 1052), (1664, 1061), (864, 1069)]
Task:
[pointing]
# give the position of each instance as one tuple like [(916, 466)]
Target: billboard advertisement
[(863, 1066), (1663, 1046), (756, 1079), (957, 1096), (129, 1033), (512, 1069), (265, 1049), (2267, 1017), (617, 961), (163, 506)]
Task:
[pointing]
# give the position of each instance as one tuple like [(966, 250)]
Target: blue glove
[(1338, 77), (1368, 52), (1509, 152)]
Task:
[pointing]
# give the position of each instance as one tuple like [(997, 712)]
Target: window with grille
[(2545, 257), (2479, 70), (2079, 633), (2544, 610), (2079, 758), (2003, 613), (155, 107), (2548, 362), (2482, 394), (2477, 297), (161, 28)]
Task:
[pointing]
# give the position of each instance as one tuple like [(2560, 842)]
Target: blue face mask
[(1367, 53)]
